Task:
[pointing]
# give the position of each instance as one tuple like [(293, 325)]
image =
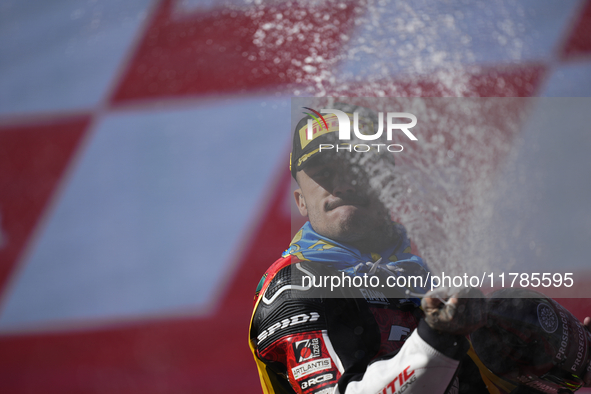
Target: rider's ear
[(300, 202)]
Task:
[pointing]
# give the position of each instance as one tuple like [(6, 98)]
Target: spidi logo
[(339, 121)]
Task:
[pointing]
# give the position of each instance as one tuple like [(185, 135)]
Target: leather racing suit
[(360, 339)]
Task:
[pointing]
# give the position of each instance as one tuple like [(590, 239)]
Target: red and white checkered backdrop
[(144, 145)]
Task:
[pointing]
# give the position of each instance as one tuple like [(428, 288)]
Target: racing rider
[(355, 339)]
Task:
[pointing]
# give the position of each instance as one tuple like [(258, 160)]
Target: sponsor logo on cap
[(314, 130), (363, 129)]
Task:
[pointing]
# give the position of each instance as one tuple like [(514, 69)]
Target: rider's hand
[(456, 311)]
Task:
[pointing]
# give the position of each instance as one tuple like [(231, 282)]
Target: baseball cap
[(304, 150), (325, 130)]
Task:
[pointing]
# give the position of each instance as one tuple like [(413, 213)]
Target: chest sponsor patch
[(289, 322), (311, 367), (398, 332), (317, 380), (374, 296), (306, 349)]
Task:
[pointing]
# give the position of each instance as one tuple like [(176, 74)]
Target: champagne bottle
[(531, 340)]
